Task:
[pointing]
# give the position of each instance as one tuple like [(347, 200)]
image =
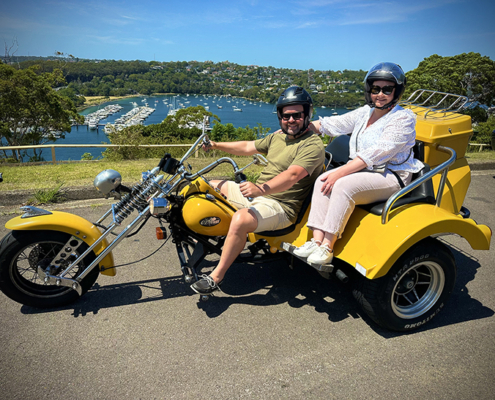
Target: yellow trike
[(402, 274)]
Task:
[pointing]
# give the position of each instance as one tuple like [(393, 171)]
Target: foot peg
[(325, 268), (321, 267)]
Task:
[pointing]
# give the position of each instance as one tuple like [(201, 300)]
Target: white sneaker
[(322, 255), (306, 249)]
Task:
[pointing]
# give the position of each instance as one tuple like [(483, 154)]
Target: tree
[(184, 124), (467, 74), (31, 110), (483, 132)]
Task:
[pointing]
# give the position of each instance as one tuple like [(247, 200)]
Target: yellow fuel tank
[(210, 217)]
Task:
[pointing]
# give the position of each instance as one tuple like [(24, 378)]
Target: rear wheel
[(22, 252), (414, 290)]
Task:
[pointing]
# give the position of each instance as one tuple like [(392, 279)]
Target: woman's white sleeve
[(341, 124)]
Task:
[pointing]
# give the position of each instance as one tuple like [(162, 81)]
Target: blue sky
[(318, 34)]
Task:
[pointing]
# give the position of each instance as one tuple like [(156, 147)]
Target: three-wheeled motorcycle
[(402, 274)]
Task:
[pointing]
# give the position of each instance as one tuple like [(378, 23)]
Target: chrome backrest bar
[(444, 167)]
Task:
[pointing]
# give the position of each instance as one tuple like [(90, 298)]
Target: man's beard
[(296, 132)]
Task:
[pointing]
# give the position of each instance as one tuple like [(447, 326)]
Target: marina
[(92, 119), (136, 116)]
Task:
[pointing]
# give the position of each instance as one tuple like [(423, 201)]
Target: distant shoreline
[(97, 100)]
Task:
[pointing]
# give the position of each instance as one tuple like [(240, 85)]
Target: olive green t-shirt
[(281, 152)]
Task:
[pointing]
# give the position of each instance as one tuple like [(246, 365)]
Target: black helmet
[(292, 96), (385, 71)]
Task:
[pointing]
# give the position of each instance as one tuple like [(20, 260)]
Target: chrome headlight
[(107, 180)]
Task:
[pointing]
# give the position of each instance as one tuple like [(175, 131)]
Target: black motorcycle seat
[(424, 193)]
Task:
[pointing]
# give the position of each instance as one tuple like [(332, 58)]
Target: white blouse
[(388, 140)]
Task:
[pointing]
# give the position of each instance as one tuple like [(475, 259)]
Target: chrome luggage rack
[(426, 98)]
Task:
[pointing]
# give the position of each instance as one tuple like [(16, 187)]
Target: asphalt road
[(275, 333)]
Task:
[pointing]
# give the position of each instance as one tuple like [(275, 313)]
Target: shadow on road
[(299, 287), (272, 284)]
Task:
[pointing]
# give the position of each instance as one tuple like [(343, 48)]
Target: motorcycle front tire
[(20, 254)]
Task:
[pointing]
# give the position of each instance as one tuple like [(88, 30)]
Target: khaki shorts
[(270, 214)]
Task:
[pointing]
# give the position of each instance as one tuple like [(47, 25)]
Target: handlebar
[(206, 143)]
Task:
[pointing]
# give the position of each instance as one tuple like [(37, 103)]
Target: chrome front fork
[(71, 246)]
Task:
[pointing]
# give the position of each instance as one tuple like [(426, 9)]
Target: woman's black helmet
[(292, 96), (385, 71)]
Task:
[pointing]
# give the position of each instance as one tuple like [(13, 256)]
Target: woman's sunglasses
[(297, 115), (386, 90)]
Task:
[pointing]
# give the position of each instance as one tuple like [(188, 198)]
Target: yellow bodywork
[(366, 244), (438, 128), (71, 224), (372, 247), (206, 217)]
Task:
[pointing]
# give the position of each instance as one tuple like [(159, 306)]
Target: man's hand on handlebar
[(208, 145), (249, 189)]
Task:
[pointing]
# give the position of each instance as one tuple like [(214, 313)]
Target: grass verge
[(38, 177), (43, 177)]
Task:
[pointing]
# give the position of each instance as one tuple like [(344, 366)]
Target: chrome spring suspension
[(137, 199)]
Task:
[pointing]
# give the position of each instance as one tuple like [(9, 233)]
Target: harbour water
[(253, 112)]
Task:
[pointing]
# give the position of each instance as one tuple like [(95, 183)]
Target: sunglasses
[(386, 90), (297, 115)]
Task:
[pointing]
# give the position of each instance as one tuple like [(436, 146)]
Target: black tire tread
[(368, 293), (14, 240)]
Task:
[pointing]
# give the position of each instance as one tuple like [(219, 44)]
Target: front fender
[(68, 223), (372, 247)]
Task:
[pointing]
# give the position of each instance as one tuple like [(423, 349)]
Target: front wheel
[(414, 290), (22, 252)]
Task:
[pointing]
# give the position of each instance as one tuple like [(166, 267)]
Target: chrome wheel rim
[(417, 290), (24, 269)]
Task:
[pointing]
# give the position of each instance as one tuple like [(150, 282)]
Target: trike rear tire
[(414, 290)]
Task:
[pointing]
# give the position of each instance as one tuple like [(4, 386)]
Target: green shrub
[(483, 131), (45, 196), (87, 157)]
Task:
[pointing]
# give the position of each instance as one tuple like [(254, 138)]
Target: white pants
[(330, 213)]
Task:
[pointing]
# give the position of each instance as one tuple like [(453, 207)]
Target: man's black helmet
[(292, 96), (385, 71)]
